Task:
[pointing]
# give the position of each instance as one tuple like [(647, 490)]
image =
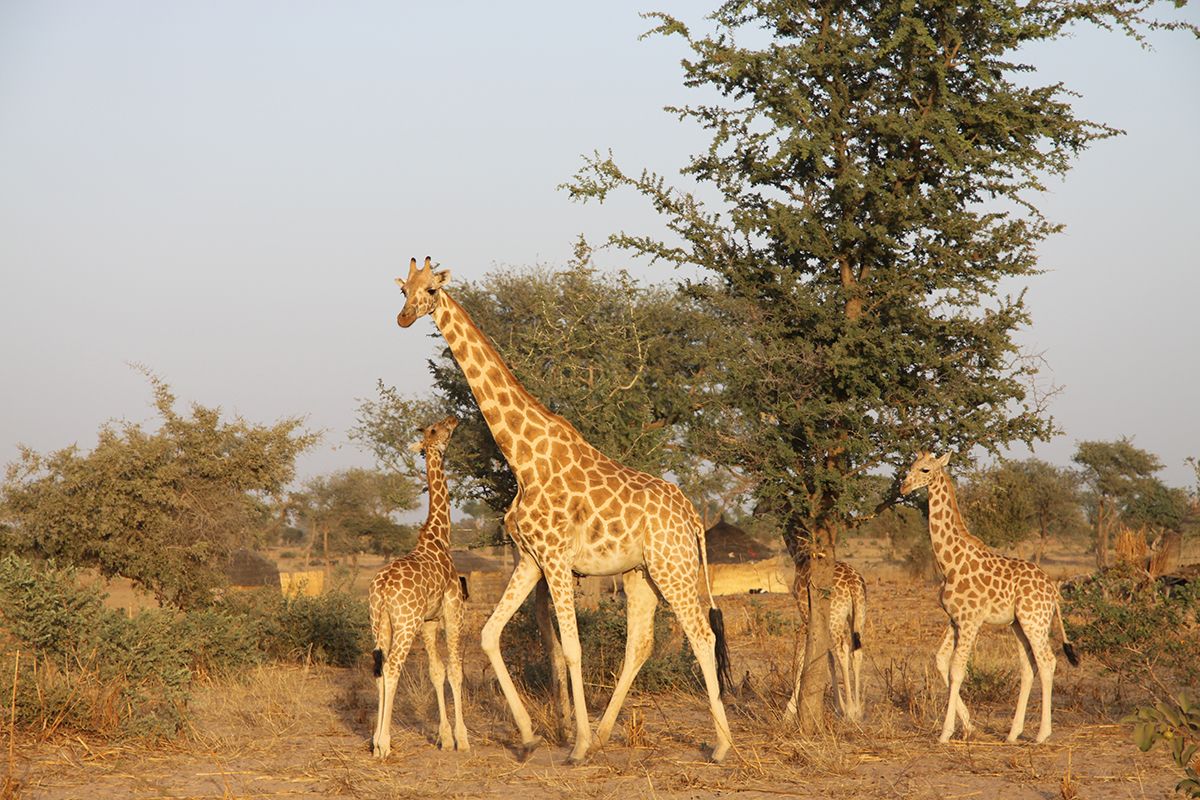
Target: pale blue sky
[(223, 191)]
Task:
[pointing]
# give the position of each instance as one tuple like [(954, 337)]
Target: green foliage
[(1113, 472), (331, 628), (1144, 631), (1155, 505), (615, 358), (1014, 500), (162, 508), (90, 669), (1177, 724), (351, 511)]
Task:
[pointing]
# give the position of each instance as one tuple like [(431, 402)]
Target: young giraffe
[(578, 512), (980, 586), (421, 590), (847, 612)]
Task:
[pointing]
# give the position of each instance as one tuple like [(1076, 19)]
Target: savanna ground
[(297, 731)]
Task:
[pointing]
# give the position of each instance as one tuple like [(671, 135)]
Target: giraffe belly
[(607, 558)]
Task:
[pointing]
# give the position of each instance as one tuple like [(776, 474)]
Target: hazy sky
[(223, 191)]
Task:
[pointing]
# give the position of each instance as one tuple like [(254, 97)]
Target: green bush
[(93, 670), (1138, 628), (1177, 724)]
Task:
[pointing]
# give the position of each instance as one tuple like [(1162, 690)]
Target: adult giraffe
[(980, 586), (578, 512)]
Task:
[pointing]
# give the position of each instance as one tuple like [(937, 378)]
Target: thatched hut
[(739, 563)]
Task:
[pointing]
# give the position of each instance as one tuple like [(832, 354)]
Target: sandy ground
[(294, 731)]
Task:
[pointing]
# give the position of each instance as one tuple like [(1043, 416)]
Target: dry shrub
[(1130, 547)]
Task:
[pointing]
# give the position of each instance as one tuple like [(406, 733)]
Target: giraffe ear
[(944, 460), (440, 279)]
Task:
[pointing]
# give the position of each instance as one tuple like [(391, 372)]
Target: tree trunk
[(325, 546), (815, 593), (1101, 536)]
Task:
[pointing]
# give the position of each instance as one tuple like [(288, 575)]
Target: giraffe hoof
[(718, 753), (528, 747), (575, 760)]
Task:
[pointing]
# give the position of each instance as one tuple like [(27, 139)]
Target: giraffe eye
[(924, 469)]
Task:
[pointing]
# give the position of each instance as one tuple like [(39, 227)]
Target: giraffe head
[(435, 438), (923, 471), (420, 291)]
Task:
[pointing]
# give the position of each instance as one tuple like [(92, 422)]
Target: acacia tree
[(352, 510), (615, 358), (1013, 500), (162, 508), (874, 163), (1112, 471)]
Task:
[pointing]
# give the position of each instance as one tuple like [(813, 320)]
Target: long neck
[(947, 531), (437, 524), (513, 415)]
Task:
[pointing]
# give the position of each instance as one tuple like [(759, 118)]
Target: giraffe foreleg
[(640, 602), (437, 676), (944, 652), (524, 577), (964, 643)]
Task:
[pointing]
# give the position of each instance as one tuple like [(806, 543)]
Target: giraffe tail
[(858, 614), (716, 620), (381, 630), (1068, 649)]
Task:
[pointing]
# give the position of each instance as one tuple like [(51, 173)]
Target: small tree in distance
[(1112, 471), (163, 508), (1011, 501)]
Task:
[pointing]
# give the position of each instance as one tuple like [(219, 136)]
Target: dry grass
[(303, 731)]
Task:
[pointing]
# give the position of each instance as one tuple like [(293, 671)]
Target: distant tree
[(875, 166), (1014, 500), (162, 508), (1112, 471), (1153, 504), (615, 358), (353, 511)]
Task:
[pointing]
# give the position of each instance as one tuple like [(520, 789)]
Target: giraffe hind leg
[(1043, 654), (402, 639), (1025, 662), (452, 620), (680, 594)]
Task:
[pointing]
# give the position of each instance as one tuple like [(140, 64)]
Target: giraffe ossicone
[(421, 591), (979, 586), (577, 511)]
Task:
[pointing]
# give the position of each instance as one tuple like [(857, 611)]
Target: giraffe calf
[(847, 614), (421, 590), (981, 587)]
